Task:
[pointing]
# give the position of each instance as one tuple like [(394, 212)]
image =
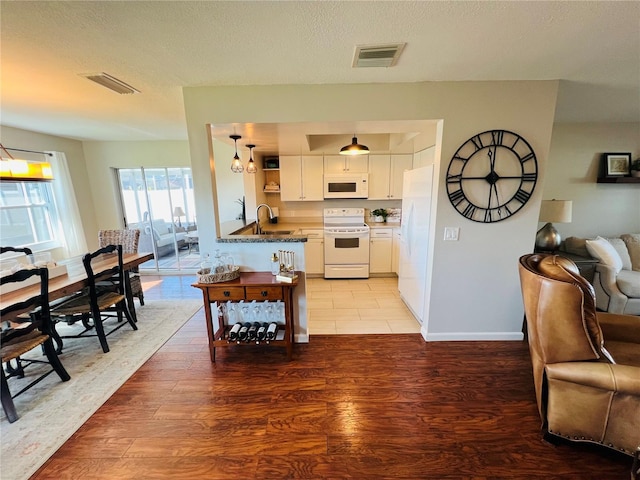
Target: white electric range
[(346, 243)]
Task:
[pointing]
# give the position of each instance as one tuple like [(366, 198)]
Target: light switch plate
[(451, 234)]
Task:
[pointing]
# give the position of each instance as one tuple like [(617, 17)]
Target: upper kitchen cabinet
[(385, 176), (424, 157), (300, 178), (346, 164)]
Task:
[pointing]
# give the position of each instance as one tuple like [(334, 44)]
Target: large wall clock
[(492, 176)]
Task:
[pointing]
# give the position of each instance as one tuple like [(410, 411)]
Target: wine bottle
[(243, 332), (233, 333), (262, 332), (271, 331), (253, 331)]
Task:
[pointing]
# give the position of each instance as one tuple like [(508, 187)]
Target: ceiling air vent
[(112, 83), (377, 55)]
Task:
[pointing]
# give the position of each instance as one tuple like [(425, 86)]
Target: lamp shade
[(555, 211), (178, 212)]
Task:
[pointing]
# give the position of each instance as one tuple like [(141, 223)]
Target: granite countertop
[(230, 233), (383, 224)]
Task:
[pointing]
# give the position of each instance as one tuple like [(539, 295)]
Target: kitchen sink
[(277, 232)]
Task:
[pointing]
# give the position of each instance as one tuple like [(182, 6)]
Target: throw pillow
[(576, 246), (602, 250), (621, 248), (632, 240)]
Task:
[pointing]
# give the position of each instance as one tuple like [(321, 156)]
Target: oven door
[(342, 247)]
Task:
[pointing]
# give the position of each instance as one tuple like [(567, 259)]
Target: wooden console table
[(250, 286)]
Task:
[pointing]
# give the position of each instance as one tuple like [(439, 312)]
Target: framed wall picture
[(616, 164)]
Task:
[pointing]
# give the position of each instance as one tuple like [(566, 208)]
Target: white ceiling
[(160, 46)]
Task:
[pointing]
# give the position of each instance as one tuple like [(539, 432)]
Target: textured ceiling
[(159, 47)]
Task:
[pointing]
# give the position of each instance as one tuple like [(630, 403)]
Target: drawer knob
[(264, 293), (227, 293)]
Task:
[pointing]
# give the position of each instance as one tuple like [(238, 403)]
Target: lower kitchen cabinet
[(395, 251), (380, 251), (314, 251)]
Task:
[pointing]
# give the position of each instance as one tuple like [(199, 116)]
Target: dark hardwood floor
[(347, 406)]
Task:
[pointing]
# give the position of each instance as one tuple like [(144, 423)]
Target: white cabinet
[(395, 250), (424, 157), (380, 251), (385, 176), (300, 178), (346, 164), (314, 251)]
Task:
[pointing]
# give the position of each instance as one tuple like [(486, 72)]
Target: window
[(28, 215), (160, 202)]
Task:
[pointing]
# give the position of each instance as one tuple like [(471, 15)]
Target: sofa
[(617, 275), (159, 232)]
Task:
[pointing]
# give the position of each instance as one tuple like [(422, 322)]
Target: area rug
[(52, 411)]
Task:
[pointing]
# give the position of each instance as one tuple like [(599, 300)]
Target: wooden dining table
[(76, 279)]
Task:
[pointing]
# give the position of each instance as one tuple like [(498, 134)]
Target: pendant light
[(236, 164), (354, 148), (13, 169), (251, 166)]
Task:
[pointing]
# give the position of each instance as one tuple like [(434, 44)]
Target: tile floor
[(371, 305)]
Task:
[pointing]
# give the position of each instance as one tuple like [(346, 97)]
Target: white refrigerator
[(414, 238)]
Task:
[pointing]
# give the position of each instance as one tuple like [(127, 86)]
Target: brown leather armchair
[(586, 364)]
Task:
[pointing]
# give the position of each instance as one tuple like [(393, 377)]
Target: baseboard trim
[(301, 338), (472, 336)]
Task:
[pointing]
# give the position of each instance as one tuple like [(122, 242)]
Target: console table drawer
[(226, 293), (264, 293)]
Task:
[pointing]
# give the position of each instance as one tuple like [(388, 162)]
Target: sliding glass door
[(160, 202)]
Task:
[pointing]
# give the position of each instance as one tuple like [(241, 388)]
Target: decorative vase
[(378, 219), (635, 173)]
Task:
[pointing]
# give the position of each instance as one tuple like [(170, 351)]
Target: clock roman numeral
[(462, 159), (496, 137), (529, 177), (456, 197), (487, 216), (522, 196), (469, 211), (527, 157), (477, 141), (454, 178)]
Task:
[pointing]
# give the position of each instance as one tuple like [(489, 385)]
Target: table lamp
[(559, 211), (178, 212)]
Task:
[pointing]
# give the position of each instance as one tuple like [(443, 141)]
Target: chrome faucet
[(258, 228)]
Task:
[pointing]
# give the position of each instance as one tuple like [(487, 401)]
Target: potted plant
[(380, 215), (635, 168)]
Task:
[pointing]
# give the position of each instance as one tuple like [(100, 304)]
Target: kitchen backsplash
[(315, 215)]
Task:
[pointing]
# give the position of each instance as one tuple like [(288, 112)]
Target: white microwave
[(346, 185)]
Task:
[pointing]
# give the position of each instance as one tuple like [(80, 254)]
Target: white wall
[(103, 157), (28, 140), (598, 208), (475, 290), (229, 183)]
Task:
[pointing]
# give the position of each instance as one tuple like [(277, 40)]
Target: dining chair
[(95, 304), (25, 250), (129, 239), (29, 325)]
